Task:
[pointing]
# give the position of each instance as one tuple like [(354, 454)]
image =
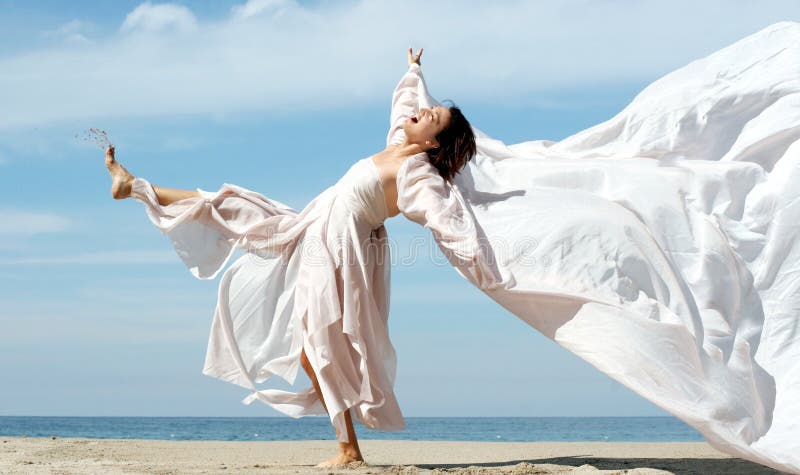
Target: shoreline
[(40, 455)]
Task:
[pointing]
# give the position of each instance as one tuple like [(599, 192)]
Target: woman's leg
[(168, 196), (122, 181), (348, 451)]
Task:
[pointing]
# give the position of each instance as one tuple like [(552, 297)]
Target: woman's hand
[(414, 58)]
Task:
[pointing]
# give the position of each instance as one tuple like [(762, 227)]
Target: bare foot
[(343, 459), (121, 180)]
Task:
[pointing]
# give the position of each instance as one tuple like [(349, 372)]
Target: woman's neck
[(407, 149)]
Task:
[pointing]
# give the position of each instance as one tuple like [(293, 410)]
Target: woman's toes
[(341, 460)]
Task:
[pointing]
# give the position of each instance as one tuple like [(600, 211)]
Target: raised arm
[(406, 99)]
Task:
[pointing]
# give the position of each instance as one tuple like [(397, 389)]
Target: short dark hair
[(456, 145)]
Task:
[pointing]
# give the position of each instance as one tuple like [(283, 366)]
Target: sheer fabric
[(660, 246), (314, 280)]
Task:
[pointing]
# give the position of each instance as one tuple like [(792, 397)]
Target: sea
[(500, 429)]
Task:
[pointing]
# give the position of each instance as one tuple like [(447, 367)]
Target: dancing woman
[(313, 286), (661, 246)]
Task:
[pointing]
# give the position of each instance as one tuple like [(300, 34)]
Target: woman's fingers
[(414, 58)]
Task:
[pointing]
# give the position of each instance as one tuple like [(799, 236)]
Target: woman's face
[(423, 128)]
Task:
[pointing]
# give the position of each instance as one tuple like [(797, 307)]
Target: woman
[(324, 306), (661, 246)]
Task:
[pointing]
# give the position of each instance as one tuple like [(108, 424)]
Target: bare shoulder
[(389, 157)]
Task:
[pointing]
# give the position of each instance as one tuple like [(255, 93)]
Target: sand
[(24, 455)]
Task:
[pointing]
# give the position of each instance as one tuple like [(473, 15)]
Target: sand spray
[(96, 136)]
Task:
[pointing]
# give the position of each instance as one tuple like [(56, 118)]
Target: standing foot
[(344, 459), (121, 180)]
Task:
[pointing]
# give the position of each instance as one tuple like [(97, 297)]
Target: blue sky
[(97, 314)]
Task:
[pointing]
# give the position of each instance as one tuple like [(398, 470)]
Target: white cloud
[(71, 32), (270, 56), (26, 223), (261, 7), (161, 17)]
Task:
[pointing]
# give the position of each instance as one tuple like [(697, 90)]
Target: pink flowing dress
[(662, 246)]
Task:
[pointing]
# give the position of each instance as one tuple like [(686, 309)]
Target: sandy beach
[(23, 455)]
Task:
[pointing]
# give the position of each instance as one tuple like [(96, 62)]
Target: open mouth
[(414, 120)]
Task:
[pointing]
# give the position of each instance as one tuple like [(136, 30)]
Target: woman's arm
[(425, 198), (405, 99)]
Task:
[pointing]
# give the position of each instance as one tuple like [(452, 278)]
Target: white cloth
[(660, 246), (315, 280)]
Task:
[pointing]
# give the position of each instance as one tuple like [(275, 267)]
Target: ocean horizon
[(500, 429)]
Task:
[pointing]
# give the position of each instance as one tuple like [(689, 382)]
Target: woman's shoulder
[(392, 158), (417, 171), (419, 160)]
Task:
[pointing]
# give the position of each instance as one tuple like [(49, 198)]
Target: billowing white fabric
[(661, 246)]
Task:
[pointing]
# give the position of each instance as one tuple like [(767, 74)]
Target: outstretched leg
[(122, 182), (348, 451)]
